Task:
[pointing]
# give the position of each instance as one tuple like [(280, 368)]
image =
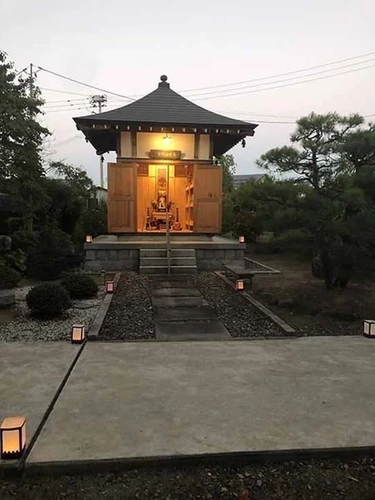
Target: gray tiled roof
[(164, 106), (241, 178)]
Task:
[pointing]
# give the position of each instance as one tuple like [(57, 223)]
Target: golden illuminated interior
[(165, 195)]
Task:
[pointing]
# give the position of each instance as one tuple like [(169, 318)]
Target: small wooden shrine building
[(166, 148)]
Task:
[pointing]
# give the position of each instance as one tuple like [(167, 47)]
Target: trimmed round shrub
[(80, 286), (9, 277), (48, 299)]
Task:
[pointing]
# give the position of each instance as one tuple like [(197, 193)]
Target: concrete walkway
[(181, 313), (146, 399), (30, 375)]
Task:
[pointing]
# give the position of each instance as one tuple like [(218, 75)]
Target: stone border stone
[(158, 462), (93, 332), (270, 270), (276, 319)]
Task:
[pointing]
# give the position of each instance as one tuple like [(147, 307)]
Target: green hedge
[(80, 286), (48, 299)]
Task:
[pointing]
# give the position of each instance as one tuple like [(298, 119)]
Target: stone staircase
[(155, 261)]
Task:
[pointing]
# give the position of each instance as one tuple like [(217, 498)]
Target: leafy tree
[(329, 156), (228, 165), (266, 205), (21, 140)]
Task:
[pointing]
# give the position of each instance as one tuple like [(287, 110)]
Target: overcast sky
[(124, 46)]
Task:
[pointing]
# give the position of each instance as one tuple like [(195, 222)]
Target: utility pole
[(99, 101), (31, 81)]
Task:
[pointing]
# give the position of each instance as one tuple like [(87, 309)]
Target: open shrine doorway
[(162, 195)]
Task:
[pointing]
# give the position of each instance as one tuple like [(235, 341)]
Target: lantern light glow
[(88, 238), (13, 437), (110, 287), (78, 334), (240, 285), (241, 239), (369, 328), (167, 140)]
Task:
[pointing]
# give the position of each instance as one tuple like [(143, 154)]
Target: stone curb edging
[(94, 330), (280, 322), (234, 458), (270, 270)]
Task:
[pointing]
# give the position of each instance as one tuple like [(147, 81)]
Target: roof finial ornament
[(163, 82)]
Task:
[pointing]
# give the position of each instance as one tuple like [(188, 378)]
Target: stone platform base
[(120, 253)]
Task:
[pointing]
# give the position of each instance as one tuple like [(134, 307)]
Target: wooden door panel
[(207, 198), (121, 197)]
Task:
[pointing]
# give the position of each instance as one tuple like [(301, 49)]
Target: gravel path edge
[(276, 319), (93, 332)]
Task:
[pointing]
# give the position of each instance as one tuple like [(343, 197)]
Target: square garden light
[(241, 239), (13, 437), (78, 334), (110, 287), (88, 238), (369, 328), (240, 285)]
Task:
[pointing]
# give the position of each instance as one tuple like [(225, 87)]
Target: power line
[(286, 85), (222, 92), (64, 109), (282, 74), (84, 84), (225, 91), (64, 92), (63, 101), (66, 105), (22, 71)]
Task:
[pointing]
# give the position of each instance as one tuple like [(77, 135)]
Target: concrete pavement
[(30, 375), (161, 399)]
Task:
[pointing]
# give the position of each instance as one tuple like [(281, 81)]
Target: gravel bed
[(307, 480), (240, 317), (25, 328), (129, 316)]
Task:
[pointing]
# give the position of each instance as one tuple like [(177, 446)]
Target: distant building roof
[(162, 108), (240, 179)]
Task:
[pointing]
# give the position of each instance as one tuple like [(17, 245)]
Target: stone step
[(176, 292), (178, 302), (152, 252), (184, 270), (212, 330), (172, 281), (183, 252), (162, 252), (163, 270), (163, 261), (184, 314)]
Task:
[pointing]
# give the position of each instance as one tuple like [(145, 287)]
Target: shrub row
[(51, 299)]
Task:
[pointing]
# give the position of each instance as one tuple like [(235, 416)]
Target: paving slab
[(176, 292), (178, 302), (30, 374), (182, 398), (211, 330), (173, 284), (185, 314)]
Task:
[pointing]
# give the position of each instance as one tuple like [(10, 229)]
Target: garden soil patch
[(302, 300), (295, 480)]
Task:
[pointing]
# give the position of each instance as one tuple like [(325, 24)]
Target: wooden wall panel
[(180, 184), (143, 201), (207, 198), (121, 197)]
